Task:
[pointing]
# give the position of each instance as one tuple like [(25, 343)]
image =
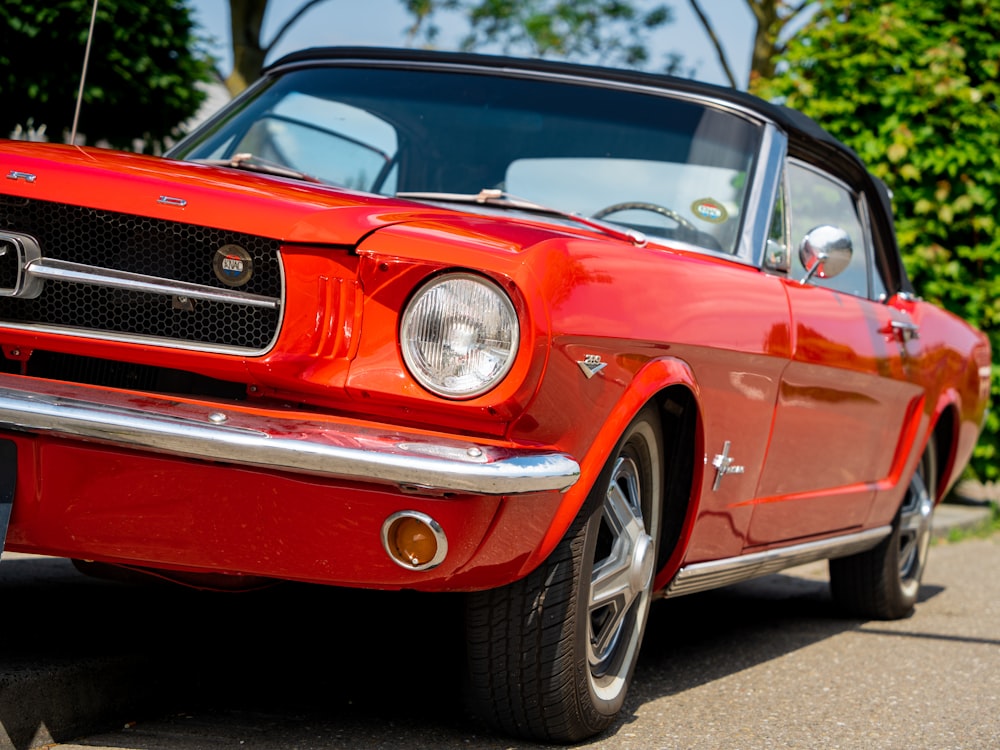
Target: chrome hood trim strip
[(321, 446)]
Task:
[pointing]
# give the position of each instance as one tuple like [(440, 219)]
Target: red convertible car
[(565, 338)]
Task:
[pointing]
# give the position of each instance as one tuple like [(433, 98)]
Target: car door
[(844, 398)]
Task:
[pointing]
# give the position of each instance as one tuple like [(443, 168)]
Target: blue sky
[(383, 23)]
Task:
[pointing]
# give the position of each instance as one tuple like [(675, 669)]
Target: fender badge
[(26, 176), (710, 210), (591, 365), (724, 465), (233, 265)]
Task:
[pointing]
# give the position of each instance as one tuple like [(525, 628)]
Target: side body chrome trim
[(717, 573), (317, 445)]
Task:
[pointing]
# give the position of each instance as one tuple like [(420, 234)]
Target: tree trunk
[(765, 42), (246, 20)]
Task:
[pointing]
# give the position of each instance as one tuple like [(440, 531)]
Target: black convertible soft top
[(806, 138)]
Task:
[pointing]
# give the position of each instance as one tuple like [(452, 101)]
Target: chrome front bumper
[(413, 461)]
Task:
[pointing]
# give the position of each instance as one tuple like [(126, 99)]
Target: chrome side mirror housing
[(825, 252)]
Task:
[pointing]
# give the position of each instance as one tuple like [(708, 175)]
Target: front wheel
[(882, 583), (551, 655)]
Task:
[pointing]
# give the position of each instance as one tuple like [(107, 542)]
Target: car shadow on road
[(696, 639), (358, 668)]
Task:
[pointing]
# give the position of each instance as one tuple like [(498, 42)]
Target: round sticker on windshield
[(233, 265), (710, 210)]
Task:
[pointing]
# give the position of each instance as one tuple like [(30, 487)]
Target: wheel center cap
[(643, 563)]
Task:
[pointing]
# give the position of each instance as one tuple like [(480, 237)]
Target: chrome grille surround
[(176, 257)]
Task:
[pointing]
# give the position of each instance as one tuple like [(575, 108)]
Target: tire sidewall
[(642, 443), (908, 587)]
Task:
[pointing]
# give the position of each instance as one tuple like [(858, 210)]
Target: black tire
[(883, 583), (551, 656)]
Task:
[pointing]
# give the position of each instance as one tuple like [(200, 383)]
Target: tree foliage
[(142, 76), (914, 87), (613, 31)]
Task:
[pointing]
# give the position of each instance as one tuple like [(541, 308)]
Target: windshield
[(666, 166)]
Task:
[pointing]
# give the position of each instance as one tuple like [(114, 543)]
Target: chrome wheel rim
[(914, 528), (621, 580)]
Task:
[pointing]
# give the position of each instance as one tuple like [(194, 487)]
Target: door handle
[(904, 330)]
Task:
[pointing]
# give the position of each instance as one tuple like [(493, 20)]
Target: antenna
[(83, 75)]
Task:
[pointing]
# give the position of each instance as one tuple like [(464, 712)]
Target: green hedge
[(912, 86)]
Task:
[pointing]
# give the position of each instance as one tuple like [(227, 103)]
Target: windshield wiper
[(253, 163), (494, 197)]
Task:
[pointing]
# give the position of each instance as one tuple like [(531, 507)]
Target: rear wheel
[(883, 582), (551, 656)]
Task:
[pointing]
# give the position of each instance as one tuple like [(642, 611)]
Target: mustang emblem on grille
[(16, 252)]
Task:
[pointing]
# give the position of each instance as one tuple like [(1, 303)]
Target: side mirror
[(825, 252)]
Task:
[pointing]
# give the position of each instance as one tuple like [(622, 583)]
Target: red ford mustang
[(565, 338)]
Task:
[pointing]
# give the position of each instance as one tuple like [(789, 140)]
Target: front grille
[(139, 245)]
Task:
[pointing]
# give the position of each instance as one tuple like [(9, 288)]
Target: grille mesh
[(166, 249)]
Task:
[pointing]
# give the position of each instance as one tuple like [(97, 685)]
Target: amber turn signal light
[(414, 540)]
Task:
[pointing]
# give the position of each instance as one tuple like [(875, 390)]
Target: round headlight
[(459, 335)]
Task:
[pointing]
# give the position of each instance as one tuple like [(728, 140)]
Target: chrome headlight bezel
[(459, 335)]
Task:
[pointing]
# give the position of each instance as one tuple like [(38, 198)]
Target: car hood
[(283, 209)]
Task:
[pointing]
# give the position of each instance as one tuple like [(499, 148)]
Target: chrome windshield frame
[(762, 195)]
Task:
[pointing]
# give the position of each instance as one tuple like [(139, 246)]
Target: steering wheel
[(644, 206)]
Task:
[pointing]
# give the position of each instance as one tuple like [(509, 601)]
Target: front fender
[(655, 376)]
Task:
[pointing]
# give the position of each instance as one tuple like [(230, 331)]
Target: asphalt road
[(765, 664)]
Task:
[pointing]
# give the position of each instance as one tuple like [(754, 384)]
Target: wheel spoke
[(914, 524), (611, 590), (622, 577), (913, 521)]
